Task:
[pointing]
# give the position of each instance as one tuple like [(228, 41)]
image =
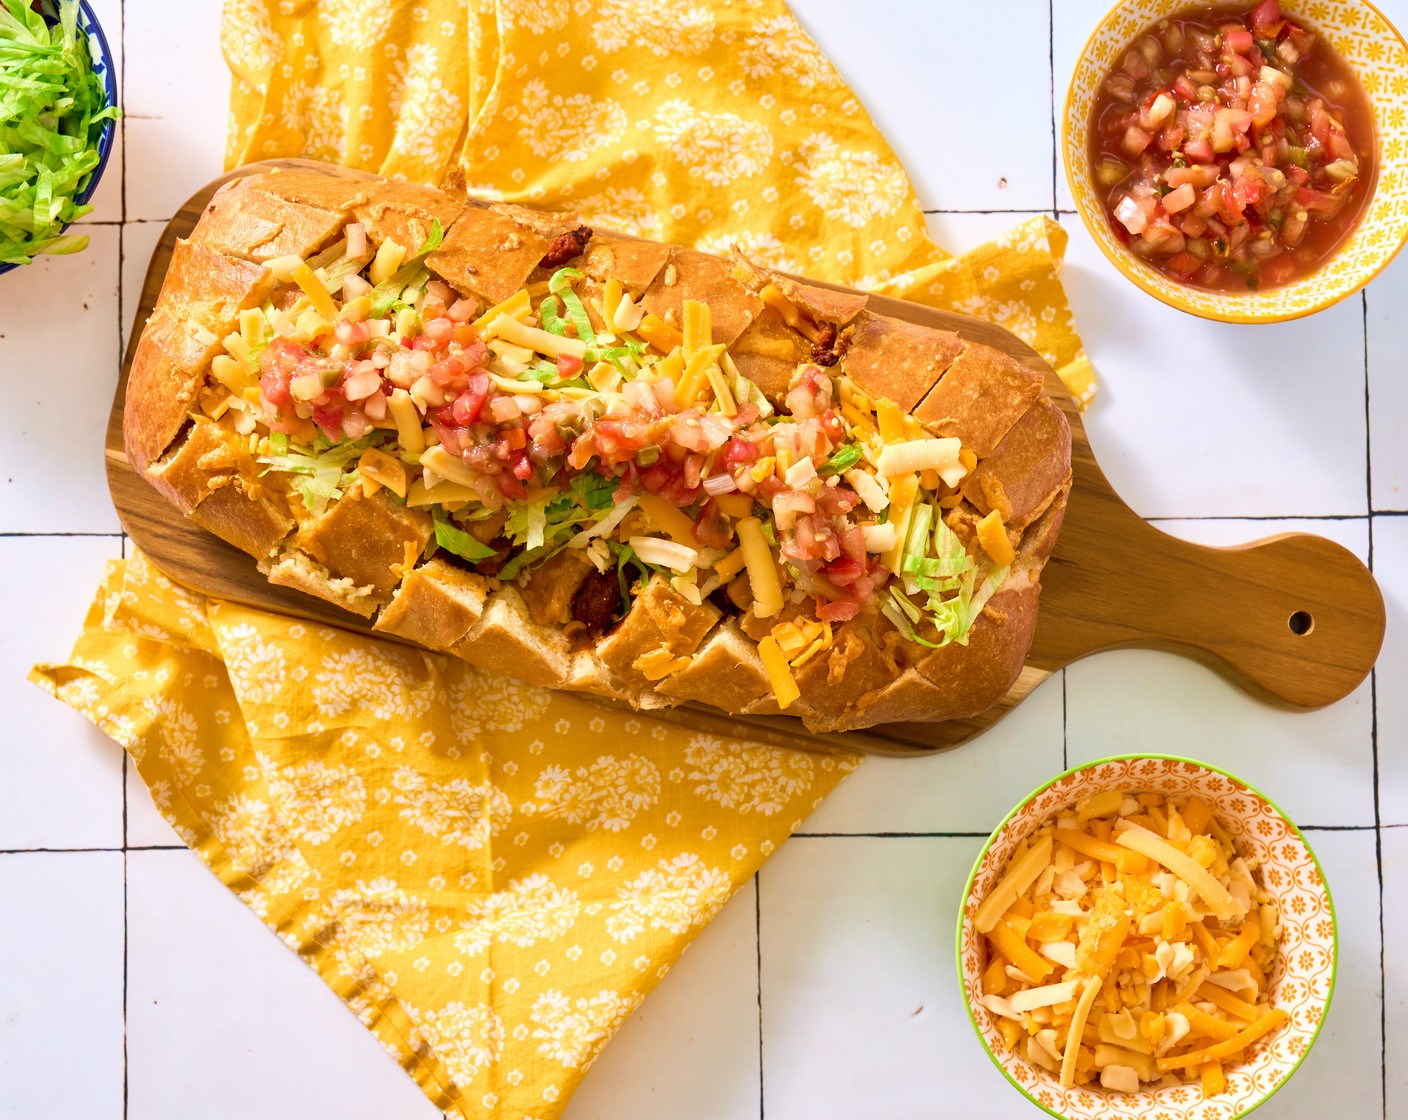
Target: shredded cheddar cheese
[(1127, 949), (784, 685)]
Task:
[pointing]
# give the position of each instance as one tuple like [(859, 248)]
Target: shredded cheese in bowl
[(1129, 940), (1130, 933)]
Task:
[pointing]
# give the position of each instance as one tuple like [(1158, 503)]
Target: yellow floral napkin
[(489, 875)]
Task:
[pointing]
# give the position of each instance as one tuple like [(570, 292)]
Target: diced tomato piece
[(568, 366), (1184, 264), (836, 612), (712, 528), (1238, 39), (1266, 19)]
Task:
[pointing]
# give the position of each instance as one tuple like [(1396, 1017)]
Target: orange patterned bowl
[(1301, 980), (1373, 48)]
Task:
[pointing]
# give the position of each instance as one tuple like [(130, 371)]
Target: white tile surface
[(861, 1006), (1395, 989), (177, 104), (998, 158), (1387, 329), (61, 364), (223, 1022), (968, 789), (1391, 568), (1340, 1075), (1201, 419), (1195, 421), (671, 1060), (138, 243), (61, 1030), (62, 777)]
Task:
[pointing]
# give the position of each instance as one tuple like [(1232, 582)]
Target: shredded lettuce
[(561, 286), (630, 567), (936, 564), (456, 540), (323, 469), (53, 109), (550, 315), (409, 278), (544, 527), (842, 460)]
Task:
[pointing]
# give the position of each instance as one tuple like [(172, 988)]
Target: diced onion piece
[(1077, 1030), (408, 430), (868, 489), (784, 685), (718, 484), (1047, 995), (1199, 880), (762, 569), (940, 453), (878, 538), (665, 554), (535, 338), (1019, 877), (1129, 215)]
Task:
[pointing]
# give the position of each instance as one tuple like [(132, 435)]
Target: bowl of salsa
[(1246, 162)]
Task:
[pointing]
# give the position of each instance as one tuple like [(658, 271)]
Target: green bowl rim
[(1139, 756)]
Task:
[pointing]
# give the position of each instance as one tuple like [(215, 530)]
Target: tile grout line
[(1374, 723), (1051, 91), (758, 943)]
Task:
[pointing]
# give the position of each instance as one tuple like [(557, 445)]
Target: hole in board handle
[(1301, 623)]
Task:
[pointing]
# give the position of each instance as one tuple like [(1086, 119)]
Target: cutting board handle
[(1295, 619)]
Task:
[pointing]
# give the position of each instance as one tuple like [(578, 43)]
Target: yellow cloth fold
[(699, 124), (491, 876)]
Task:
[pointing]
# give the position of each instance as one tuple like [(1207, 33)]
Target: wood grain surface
[(1296, 620)]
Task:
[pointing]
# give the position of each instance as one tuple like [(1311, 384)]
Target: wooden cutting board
[(1294, 619)]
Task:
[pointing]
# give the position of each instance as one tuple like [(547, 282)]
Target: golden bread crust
[(365, 553)]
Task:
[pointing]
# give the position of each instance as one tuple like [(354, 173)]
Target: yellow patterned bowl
[(1374, 49), (1301, 981)]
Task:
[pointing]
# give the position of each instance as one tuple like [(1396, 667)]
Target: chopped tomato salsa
[(1234, 151)]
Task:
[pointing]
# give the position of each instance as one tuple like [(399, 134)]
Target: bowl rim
[(1133, 269), (105, 64), (1135, 757)]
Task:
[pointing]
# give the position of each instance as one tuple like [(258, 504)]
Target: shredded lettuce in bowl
[(53, 110)]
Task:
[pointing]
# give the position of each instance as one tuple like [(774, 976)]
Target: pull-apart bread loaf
[(599, 463)]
